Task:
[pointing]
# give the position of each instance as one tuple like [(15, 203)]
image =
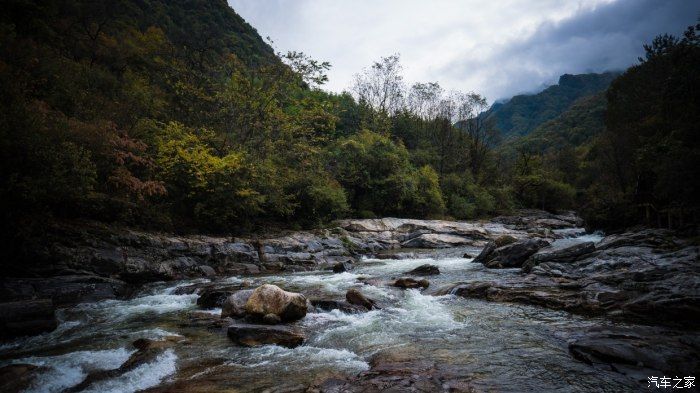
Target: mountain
[(524, 113), (203, 30), (576, 126)]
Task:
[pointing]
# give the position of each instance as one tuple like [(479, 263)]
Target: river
[(498, 346)]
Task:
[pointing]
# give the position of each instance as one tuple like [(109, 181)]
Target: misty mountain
[(524, 113)]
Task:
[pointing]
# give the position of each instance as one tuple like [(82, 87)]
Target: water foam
[(70, 369), (398, 266), (372, 331), (142, 377), (60, 335), (331, 283), (306, 358), (156, 304)]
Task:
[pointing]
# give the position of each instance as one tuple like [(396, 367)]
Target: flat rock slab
[(252, 335), (638, 352), (645, 276)]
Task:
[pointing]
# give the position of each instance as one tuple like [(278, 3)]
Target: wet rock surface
[(234, 305), (252, 335), (410, 283), (637, 353), (26, 318), (624, 288), (425, 270), (270, 299), (390, 373), (17, 377), (512, 254), (357, 298), (562, 255), (344, 306), (648, 276)]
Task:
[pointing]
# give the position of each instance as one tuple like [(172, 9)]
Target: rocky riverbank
[(648, 276), (87, 262), (399, 304)]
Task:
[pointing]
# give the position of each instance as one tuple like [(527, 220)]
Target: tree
[(481, 135), (380, 89)]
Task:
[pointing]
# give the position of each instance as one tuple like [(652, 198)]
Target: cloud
[(496, 49)]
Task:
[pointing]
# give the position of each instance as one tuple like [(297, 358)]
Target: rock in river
[(409, 283), (563, 255), (342, 267), (425, 270), (353, 296), (234, 305), (649, 275), (271, 299), (26, 317), (250, 335), (211, 298), (510, 255), (344, 306), (17, 377)]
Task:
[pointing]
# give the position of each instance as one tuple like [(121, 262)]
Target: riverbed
[(495, 346)]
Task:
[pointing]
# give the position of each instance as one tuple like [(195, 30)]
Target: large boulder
[(353, 296), (562, 255), (271, 299), (26, 318), (250, 335), (234, 305), (510, 255)]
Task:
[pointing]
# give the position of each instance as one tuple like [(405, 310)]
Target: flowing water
[(501, 347)]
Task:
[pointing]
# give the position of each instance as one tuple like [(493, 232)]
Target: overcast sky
[(496, 48)]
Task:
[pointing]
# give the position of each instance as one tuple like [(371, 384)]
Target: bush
[(322, 202), (426, 200)]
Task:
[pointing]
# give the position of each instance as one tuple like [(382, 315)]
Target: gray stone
[(251, 335), (234, 305), (353, 296), (564, 255)]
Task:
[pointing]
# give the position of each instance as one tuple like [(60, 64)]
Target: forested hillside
[(524, 113), (576, 126), (175, 115)]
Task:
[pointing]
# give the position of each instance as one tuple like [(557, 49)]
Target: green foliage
[(215, 190), (426, 200), (159, 112), (322, 202), (468, 200), (375, 172), (651, 148)]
